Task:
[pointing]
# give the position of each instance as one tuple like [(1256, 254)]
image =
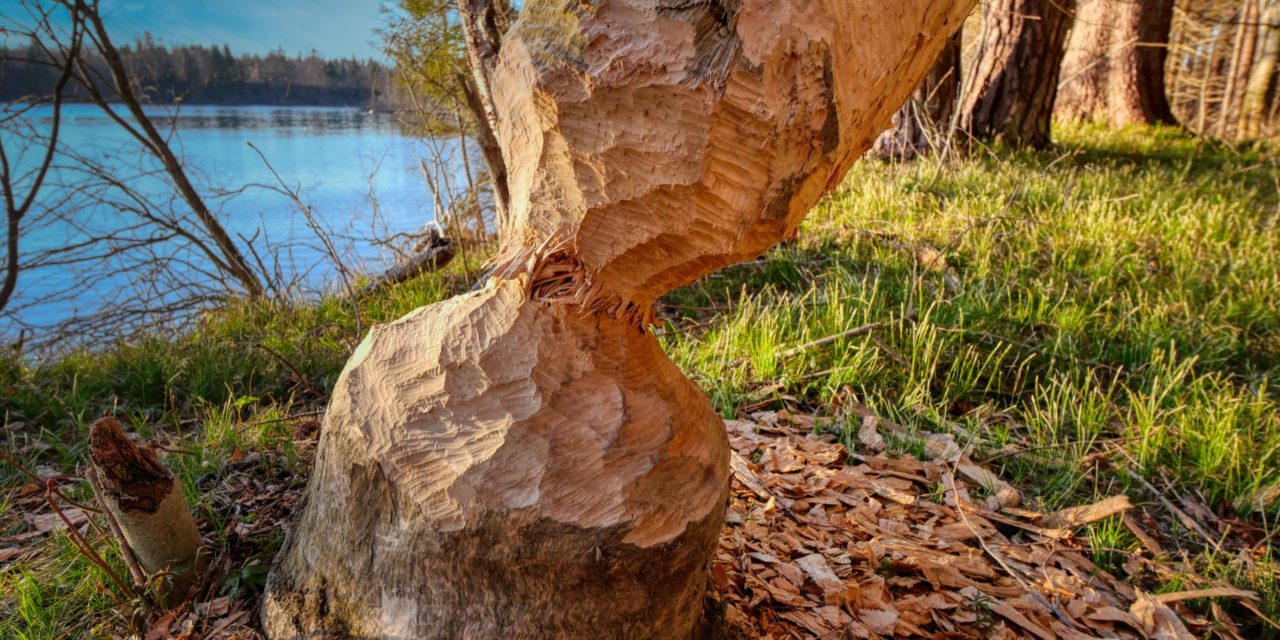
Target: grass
[(1111, 304)]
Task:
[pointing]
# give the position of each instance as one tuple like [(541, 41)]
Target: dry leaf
[(46, 522)]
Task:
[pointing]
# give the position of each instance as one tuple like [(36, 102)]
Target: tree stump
[(524, 461), (146, 502)]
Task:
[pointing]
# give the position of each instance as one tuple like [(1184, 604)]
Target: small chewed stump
[(523, 461), (146, 504)]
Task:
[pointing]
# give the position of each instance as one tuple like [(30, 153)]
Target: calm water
[(336, 156)]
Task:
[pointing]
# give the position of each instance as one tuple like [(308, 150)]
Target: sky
[(334, 28)]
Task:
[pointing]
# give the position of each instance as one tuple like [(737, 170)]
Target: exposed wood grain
[(524, 461)]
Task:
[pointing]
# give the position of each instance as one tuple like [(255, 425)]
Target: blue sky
[(335, 28)]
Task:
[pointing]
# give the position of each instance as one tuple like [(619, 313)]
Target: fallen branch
[(437, 253)]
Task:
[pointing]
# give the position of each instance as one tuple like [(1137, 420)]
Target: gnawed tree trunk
[(922, 124), (1113, 71), (144, 499), (1010, 92), (524, 461)]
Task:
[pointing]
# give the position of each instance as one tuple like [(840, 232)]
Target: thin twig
[(692, 327), (851, 333), (1056, 445), (126, 551), (320, 232), (1182, 516), (305, 380), (950, 478), (85, 549), (38, 480)]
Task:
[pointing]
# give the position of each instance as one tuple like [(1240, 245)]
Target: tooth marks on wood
[(779, 207), (148, 509), (532, 428)]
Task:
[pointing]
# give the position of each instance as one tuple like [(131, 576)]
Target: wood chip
[(1158, 620), (1076, 516), (1216, 592), (869, 435)]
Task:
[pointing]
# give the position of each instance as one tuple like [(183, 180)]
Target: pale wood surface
[(524, 461)]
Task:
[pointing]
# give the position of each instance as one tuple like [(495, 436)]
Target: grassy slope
[(1071, 313)]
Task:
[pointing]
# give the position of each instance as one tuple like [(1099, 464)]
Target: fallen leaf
[(46, 522)]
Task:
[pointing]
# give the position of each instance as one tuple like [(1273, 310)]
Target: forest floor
[(1086, 323)]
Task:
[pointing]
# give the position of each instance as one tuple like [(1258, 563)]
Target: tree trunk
[(1241, 66), (1260, 89), (921, 125), (1011, 89), (494, 164), (484, 25), (1113, 70), (524, 461)]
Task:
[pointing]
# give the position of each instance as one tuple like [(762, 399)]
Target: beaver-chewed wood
[(146, 501), (524, 461)]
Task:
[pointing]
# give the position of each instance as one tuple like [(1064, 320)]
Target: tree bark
[(484, 25), (1114, 67), (921, 125), (524, 461), (1010, 91), (1238, 72), (1260, 89), (494, 164)]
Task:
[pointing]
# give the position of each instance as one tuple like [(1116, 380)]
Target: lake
[(338, 157)]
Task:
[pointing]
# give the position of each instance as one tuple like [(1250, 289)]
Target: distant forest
[(196, 74)]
